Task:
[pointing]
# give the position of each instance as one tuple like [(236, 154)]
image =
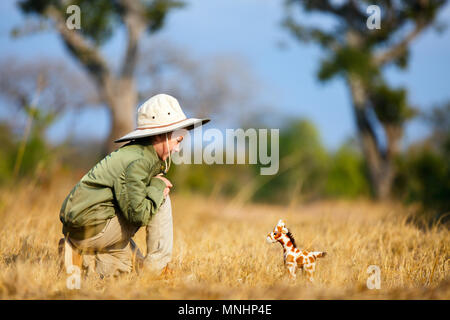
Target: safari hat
[(160, 114)]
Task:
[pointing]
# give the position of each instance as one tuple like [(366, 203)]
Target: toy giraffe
[(294, 257)]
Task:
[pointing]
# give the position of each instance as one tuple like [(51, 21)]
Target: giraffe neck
[(287, 244)]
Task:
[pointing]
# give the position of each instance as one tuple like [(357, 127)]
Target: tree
[(359, 56), (99, 20), (423, 170), (47, 84), (35, 94)]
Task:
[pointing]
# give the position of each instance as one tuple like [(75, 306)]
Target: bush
[(423, 175), (346, 176), (37, 153)]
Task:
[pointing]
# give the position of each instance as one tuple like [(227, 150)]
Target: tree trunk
[(379, 164), (121, 97), (118, 92)]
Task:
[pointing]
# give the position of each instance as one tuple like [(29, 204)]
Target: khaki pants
[(113, 250)]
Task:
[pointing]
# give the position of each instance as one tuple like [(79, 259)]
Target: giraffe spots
[(294, 257)]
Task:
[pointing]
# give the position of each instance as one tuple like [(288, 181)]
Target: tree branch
[(400, 48), (135, 23), (348, 10), (306, 34), (80, 48)]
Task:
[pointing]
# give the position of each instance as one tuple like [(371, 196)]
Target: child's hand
[(167, 182)]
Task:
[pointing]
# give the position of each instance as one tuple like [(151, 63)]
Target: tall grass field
[(220, 251)]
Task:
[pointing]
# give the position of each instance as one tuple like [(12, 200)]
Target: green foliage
[(37, 153), (439, 118), (423, 171), (156, 12), (391, 105), (37, 6), (359, 56), (424, 176), (100, 18), (8, 150), (301, 140), (348, 61), (351, 45), (346, 176), (308, 34), (402, 61), (307, 171), (300, 137)]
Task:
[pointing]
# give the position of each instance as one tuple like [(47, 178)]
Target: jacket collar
[(150, 153)]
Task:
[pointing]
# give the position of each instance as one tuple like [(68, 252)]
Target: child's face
[(174, 142), (171, 144)]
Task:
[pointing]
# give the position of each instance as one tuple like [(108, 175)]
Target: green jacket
[(121, 182)]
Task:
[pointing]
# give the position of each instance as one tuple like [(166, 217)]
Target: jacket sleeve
[(139, 201)]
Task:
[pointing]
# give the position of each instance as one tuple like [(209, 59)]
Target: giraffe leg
[(292, 268), (310, 271)]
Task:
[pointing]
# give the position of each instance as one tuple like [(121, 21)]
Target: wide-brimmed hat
[(160, 114)]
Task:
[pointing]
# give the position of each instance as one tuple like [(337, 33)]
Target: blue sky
[(250, 29)]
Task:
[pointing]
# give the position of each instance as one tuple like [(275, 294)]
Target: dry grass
[(221, 253)]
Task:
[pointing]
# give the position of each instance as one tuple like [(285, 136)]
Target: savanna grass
[(220, 252)]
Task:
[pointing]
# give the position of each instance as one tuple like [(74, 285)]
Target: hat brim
[(187, 124)]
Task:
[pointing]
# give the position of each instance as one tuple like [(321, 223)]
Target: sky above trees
[(285, 70)]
